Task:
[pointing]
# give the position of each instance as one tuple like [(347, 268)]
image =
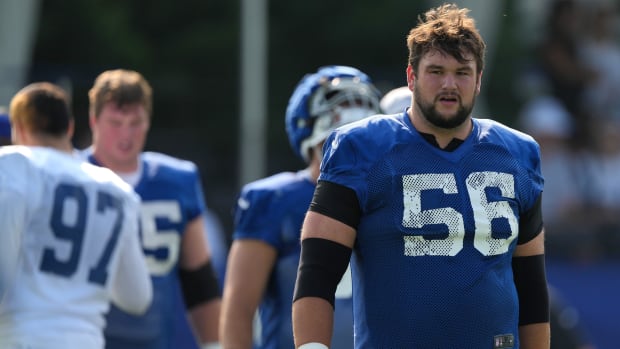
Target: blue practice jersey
[(172, 196), (432, 259), (272, 210)]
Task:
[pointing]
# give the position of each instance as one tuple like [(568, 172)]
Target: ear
[(92, 120), (71, 129), (410, 76), (17, 135), (478, 83)]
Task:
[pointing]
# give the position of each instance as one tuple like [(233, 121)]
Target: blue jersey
[(272, 210), (431, 263), (172, 196)]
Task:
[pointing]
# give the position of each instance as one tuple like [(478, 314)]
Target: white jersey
[(76, 226)]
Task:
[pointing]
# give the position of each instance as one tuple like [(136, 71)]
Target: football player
[(172, 223), (74, 227), (264, 256), (440, 211)]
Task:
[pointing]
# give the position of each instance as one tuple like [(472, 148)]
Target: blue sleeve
[(343, 164), (255, 216)]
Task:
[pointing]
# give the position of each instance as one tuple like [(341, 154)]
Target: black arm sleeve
[(199, 285), (531, 223), (338, 202), (321, 266), (531, 283)]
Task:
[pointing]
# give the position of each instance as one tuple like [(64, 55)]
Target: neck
[(314, 167), (443, 136), (314, 173), (60, 144), (116, 166)]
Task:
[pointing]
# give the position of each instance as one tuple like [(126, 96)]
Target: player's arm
[(132, 288), (326, 245), (249, 265), (199, 283), (528, 265), (12, 221)]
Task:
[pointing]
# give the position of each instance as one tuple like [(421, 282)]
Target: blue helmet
[(333, 96)]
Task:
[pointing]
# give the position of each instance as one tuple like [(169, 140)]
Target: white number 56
[(483, 210)]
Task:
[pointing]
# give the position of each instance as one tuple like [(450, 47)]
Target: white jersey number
[(483, 210), (161, 247)]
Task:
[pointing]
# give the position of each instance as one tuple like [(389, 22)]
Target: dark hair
[(448, 29), (42, 108), (122, 87)]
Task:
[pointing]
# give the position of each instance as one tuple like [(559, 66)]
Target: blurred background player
[(76, 227), (263, 259), (5, 127), (172, 225), (396, 100)]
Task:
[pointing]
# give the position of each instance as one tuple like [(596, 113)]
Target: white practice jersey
[(76, 229)]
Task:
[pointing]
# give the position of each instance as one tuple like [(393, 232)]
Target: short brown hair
[(42, 108), (122, 87), (448, 29)]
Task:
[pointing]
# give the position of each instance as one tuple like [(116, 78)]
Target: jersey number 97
[(72, 201)]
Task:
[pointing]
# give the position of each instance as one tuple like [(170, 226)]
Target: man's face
[(445, 90), (119, 135)]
